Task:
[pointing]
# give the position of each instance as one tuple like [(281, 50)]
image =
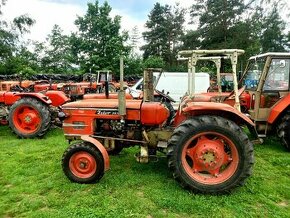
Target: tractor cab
[(266, 82)]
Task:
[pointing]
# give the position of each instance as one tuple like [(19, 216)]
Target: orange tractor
[(262, 93), (30, 114), (206, 148)]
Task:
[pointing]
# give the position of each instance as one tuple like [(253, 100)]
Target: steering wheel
[(240, 91)]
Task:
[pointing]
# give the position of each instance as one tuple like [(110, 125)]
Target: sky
[(64, 13)]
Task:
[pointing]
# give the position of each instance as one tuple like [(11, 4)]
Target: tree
[(154, 62), (133, 65), (273, 37), (216, 20), (165, 29), (191, 40), (10, 45), (98, 43), (57, 58)]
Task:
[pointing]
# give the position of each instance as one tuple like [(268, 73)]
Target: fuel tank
[(153, 113)]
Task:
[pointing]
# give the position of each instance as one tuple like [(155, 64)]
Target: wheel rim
[(83, 164), (26, 119), (210, 158)]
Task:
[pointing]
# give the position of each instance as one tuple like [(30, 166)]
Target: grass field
[(33, 185)]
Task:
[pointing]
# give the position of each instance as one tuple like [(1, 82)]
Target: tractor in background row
[(30, 107), (30, 114), (206, 148)]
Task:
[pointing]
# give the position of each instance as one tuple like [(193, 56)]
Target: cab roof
[(273, 54)]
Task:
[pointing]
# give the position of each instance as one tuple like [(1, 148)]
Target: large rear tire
[(210, 154), (83, 163), (283, 130), (29, 118)]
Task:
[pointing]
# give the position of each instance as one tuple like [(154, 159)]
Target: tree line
[(99, 42)]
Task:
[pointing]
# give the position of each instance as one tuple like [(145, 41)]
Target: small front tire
[(83, 163)]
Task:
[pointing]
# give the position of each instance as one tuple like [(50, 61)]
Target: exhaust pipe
[(121, 94)]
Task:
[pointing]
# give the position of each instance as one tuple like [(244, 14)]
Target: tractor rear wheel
[(83, 163), (29, 118), (210, 154), (283, 130)]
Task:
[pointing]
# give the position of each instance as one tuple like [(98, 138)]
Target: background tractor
[(206, 148), (30, 114)]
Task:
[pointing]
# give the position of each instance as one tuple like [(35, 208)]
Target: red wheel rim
[(210, 158), (26, 119), (82, 164)]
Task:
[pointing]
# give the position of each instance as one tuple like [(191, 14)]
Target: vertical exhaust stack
[(121, 94), (149, 83)]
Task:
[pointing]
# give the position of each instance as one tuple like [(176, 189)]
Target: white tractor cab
[(174, 84)]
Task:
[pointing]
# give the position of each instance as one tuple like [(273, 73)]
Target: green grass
[(32, 184)]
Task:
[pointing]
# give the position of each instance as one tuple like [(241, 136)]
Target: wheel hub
[(30, 118), (209, 155), (83, 164)]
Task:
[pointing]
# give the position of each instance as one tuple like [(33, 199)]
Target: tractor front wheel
[(29, 118), (210, 154), (83, 163)]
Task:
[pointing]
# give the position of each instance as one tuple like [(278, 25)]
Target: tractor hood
[(101, 103)]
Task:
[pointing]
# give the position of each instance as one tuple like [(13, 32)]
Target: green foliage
[(10, 46), (133, 65), (98, 43), (23, 23), (216, 20), (165, 29), (154, 62), (57, 56), (32, 184), (272, 38)]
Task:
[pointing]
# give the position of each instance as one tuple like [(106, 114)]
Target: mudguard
[(8, 98), (39, 96), (211, 108), (278, 108), (100, 147), (57, 98)]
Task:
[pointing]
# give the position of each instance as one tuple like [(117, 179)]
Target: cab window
[(278, 76)]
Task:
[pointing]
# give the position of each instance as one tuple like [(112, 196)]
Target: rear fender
[(9, 98), (100, 147), (213, 108), (57, 98), (278, 108), (38, 96)]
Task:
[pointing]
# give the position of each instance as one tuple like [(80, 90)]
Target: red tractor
[(30, 114), (206, 148), (263, 94), (7, 85)]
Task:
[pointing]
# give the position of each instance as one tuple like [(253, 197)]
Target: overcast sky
[(64, 12)]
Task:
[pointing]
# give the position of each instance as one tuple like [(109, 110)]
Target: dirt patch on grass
[(283, 204)]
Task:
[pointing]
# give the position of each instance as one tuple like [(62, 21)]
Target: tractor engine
[(100, 119)]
